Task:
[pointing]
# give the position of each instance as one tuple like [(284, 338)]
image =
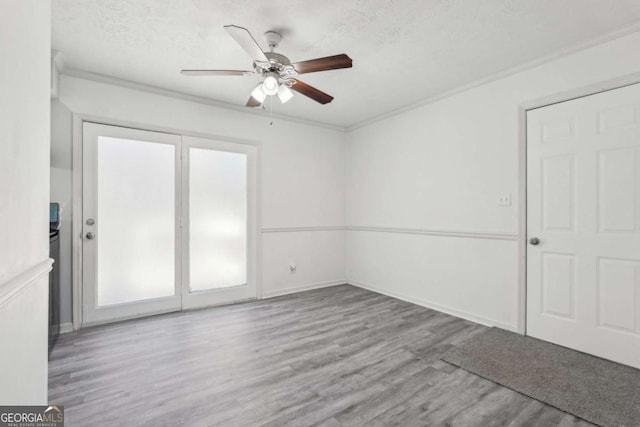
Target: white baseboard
[(287, 291), (65, 328), (437, 307)]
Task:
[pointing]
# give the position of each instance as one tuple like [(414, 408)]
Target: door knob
[(91, 235), (534, 241)]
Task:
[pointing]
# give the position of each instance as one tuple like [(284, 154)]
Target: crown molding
[(577, 47), (560, 53), (142, 87)]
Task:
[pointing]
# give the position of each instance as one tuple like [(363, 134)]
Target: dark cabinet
[(54, 290)]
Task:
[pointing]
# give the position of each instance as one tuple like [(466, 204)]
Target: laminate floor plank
[(339, 356)]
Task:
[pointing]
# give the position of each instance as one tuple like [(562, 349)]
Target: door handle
[(90, 235), (534, 241)]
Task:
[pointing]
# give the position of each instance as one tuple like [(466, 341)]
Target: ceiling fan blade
[(216, 73), (311, 92), (252, 102), (247, 42), (323, 64)]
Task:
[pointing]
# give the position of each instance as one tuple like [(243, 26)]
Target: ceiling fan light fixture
[(274, 68), (284, 93), (258, 94), (270, 84)]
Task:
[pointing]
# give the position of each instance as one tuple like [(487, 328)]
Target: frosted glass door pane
[(217, 219), (136, 220)]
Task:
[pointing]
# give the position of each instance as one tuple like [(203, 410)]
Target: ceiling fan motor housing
[(277, 58), (278, 63)]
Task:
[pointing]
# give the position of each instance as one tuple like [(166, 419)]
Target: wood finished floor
[(340, 356)]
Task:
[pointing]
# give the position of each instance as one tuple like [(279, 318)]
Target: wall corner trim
[(14, 286), (438, 307)]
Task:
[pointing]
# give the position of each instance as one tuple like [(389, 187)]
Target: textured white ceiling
[(403, 50)]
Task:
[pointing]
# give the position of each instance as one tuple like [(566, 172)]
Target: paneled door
[(131, 223), (583, 224)]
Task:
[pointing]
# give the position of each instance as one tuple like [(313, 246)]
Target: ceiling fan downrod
[(273, 39)]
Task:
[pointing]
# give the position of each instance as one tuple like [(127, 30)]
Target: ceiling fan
[(278, 73)]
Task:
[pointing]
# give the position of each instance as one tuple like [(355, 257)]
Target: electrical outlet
[(504, 199)]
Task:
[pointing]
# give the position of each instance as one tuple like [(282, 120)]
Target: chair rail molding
[(401, 230), (437, 232), (14, 286)]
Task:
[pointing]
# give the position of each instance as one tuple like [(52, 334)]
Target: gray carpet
[(594, 389)]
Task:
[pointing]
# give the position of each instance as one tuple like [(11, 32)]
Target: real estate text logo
[(31, 416)]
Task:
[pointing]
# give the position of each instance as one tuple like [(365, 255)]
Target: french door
[(218, 214), (168, 222)]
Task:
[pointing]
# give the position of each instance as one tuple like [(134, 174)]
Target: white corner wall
[(25, 44), (61, 192), (301, 174), (422, 188)]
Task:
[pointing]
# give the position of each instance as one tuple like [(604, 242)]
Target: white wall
[(61, 179), (439, 169), (25, 45), (301, 173), (318, 255)]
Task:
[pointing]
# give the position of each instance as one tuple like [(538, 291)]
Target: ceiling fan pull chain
[(271, 108)]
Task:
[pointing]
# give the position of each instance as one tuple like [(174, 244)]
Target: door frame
[(593, 89), (76, 210)]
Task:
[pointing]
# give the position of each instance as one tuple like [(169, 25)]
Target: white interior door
[(131, 228), (583, 204), (219, 222)]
